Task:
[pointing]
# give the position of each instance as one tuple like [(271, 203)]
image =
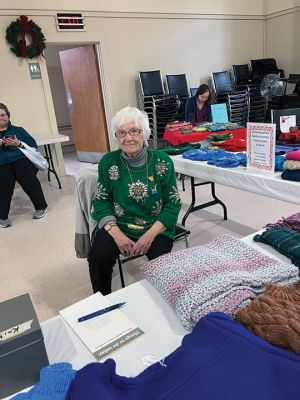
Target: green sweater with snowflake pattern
[(137, 196)]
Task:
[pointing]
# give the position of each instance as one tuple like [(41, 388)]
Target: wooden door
[(84, 94)]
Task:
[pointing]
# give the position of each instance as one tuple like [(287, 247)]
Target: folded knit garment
[(279, 162), (275, 316), (221, 275), (219, 137), (291, 164), (291, 175), (226, 161), (292, 222), (285, 241), (293, 155), (235, 145), (181, 148), (54, 383), (203, 155), (281, 148)]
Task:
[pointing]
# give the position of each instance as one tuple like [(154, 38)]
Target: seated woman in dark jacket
[(197, 108), (15, 166)]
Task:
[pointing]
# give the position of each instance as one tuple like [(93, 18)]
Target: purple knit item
[(221, 275), (292, 223)]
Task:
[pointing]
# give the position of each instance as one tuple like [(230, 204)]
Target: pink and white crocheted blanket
[(223, 275)]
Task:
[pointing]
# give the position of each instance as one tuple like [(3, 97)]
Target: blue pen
[(100, 312)]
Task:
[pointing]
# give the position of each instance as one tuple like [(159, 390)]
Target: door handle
[(69, 100)]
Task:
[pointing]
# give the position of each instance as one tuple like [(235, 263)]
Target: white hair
[(131, 115)]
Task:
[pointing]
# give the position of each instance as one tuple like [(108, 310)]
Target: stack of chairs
[(160, 107), (222, 86), (256, 103), (178, 85), (236, 98), (238, 107)]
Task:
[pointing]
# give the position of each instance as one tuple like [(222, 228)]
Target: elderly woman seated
[(16, 167), (136, 201)]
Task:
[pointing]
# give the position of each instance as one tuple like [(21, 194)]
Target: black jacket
[(191, 108)]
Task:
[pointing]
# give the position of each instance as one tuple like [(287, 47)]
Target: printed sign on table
[(261, 146)]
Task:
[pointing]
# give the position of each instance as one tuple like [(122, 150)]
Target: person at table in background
[(15, 166), (136, 201), (197, 108)]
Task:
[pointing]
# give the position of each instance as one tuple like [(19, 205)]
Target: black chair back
[(151, 83), (177, 84), (222, 82), (241, 74), (262, 67)]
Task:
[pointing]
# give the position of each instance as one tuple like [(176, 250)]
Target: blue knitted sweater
[(219, 360), (54, 383)]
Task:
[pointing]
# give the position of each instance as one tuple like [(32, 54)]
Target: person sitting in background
[(197, 108), (136, 201), (15, 166)]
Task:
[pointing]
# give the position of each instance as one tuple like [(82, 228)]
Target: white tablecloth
[(264, 183)]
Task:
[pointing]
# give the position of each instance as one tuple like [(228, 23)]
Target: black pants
[(24, 172), (104, 253)]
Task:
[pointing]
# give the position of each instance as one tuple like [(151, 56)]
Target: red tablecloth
[(176, 138)]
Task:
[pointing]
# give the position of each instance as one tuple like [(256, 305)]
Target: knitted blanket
[(275, 316), (283, 240), (222, 275)]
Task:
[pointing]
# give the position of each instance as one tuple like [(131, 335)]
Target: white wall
[(273, 6), (223, 7), (282, 35)]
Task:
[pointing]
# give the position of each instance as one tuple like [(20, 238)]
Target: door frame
[(48, 93)]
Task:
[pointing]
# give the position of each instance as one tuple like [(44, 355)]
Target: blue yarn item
[(54, 383), (281, 149), (242, 157), (216, 128), (203, 155), (219, 359), (279, 161), (228, 160), (218, 157)]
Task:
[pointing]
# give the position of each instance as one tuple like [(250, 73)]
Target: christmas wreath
[(15, 36)]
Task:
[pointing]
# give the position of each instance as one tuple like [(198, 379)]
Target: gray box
[(22, 349)]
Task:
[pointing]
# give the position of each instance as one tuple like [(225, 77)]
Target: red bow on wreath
[(26, 27)]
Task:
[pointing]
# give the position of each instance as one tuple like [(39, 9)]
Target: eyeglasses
[(3, 115), (133, 132)]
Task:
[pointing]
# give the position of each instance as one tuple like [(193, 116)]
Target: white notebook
[(102, 334)]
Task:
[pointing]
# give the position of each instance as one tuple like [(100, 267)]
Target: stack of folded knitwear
[(284, 237), (292, 166), (178, 126), (235, 145)]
